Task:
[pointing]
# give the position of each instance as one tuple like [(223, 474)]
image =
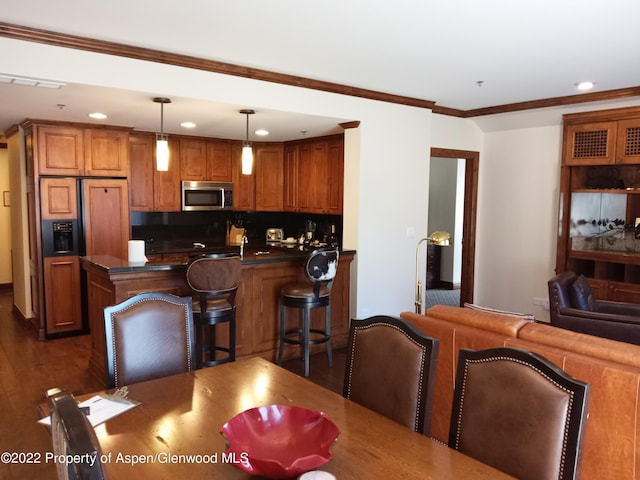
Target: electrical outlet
[(541, 302)]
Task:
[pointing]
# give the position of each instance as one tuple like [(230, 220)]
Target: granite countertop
[(252, 255)]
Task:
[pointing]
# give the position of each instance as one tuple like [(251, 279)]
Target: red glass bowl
[(279, 441)]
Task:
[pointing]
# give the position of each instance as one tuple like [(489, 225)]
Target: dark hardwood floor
[(28, 367)]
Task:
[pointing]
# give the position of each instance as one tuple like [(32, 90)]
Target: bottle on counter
[(333, 238)]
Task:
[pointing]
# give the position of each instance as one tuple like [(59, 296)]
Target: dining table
[(179, 418)]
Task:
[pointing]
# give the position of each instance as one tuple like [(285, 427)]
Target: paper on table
[(101, 409)]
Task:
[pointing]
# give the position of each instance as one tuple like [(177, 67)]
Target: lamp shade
[(247, 160), (440, 238), (162, 153)]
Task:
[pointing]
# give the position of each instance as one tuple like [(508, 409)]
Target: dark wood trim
[(48, 37), (555, 102), (472, 166), (353, 124), (4, 145)]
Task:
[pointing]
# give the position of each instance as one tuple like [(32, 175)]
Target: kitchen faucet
[(243, 240)]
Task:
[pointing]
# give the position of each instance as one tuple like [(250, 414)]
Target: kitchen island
[(265, 270)]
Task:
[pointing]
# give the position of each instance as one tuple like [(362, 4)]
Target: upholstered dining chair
[(214, 279), (320, 269), (519, 413), (391, 368), (148, 336), (73, 435)]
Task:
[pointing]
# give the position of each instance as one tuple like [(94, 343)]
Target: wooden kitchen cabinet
[(106, 152), (60, 150), (193, 160), (141, 168), (106, 217), (314, 176), (602, 138), (63, 307), (58, 198), (166, 185), (600, 202), (290, 189), (244, 186), (269, 169), (219, 164)]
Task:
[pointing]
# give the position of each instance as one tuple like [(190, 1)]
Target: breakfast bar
[(265, 270)]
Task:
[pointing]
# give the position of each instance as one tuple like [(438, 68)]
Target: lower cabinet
[(62, 304)]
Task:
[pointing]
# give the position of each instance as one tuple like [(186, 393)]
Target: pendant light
[(162, 139), (247, 151)]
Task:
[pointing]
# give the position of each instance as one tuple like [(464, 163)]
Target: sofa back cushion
[(504, 324), (581, 294)]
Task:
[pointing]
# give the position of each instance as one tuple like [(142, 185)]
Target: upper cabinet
[(594, 139), (60, 150), (106, 153), (77, 151), (142, 168), (314, 175), (269, 168)]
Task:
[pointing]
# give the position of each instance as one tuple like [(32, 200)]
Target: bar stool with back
[(215, 279), (320, 269)]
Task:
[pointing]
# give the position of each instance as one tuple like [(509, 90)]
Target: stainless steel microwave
[(198, 196)]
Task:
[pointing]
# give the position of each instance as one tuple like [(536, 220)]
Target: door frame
[(472, 164)]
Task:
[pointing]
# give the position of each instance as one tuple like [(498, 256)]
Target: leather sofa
[(612, 441), (614, 320)]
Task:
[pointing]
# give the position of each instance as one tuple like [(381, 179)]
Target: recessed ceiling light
[(585, 85), (262, 132), (188, 125), (97, 116)]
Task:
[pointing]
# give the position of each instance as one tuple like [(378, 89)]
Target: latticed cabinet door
[(628, 146), (590, 144)]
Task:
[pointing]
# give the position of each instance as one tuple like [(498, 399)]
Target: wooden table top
[(183, 414)]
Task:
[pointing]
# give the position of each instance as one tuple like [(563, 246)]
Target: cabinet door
[(106, 153), (335, 183), (628, 147), (269, 168), (141, 167), (62, 294), (106, 217), (219, 162), (166, 185), (290, 194), (60, 150), (58, 198), (193, 160), (244, 186), (590, 143), (317, 174)]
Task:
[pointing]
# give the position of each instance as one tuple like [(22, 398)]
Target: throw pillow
[(581, 296)]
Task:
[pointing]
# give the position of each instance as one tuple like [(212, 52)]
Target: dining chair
[(391, 368), (214, 279), (519, 413), (148, 336), (73, 436), (320, 269)]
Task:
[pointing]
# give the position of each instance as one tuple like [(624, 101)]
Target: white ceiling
[(433, 50)]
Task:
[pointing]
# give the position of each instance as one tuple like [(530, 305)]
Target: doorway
[(469, 206)]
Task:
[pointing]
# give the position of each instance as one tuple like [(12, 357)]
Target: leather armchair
[(615, 320)]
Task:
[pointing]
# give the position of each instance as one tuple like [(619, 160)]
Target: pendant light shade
[(162, 139), (247, 150)]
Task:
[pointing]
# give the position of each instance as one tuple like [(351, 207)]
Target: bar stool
[(214, 278), (320, 269)]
